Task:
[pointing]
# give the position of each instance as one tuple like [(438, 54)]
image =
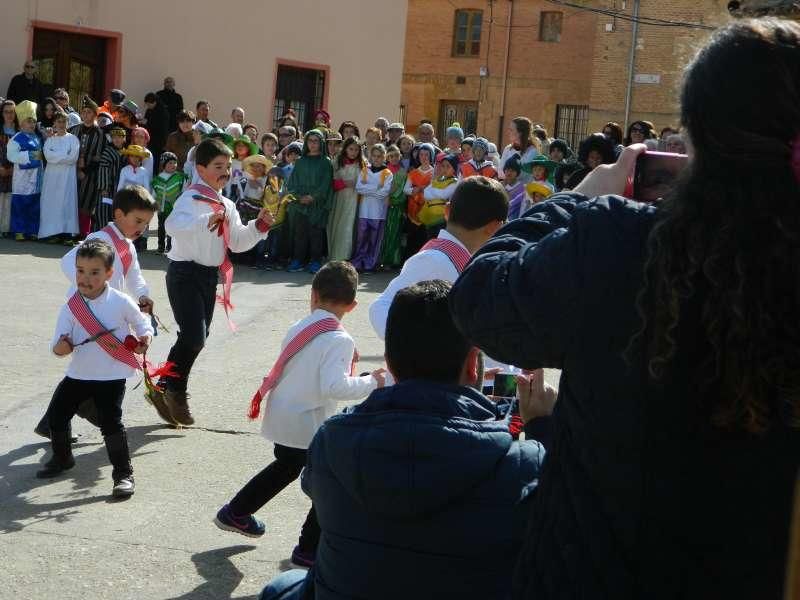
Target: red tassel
[(255, 407), (166, 369)]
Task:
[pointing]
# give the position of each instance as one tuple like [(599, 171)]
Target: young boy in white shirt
[(94, 326), (203, 226), (312, 374), (133, 210)]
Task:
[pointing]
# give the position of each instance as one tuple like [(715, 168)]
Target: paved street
[(65, 538)]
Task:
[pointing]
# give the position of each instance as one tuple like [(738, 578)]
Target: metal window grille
[(572, 123)]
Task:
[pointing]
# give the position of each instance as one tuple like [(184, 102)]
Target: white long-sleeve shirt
[(114, 310), (313, 381), (373, 194), (141, 177), (187, 225), (423, 266), (134, 282)]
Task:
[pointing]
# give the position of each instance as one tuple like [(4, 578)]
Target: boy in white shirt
[(133, 210), (134, 173), (203, 226), (94, 326), (312, 374)]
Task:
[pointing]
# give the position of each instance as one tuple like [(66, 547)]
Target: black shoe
[(123, 487), (62, 459), (120, 457)]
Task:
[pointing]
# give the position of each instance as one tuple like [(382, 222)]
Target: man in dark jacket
[(157, 123), (26, 86), (173, 102), (419, 489)]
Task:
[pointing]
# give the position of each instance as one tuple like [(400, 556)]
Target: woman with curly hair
[(676, 436)]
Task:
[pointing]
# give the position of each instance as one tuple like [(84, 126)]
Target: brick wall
[(662, 51), (540, 74), (589, 66)]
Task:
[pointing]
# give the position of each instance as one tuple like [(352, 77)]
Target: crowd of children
[(373, 201)]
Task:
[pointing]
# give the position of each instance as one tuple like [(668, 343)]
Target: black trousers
[(262, 488), (162, 233), (309, 240), (107, 396), (416, 236), (192, 290)]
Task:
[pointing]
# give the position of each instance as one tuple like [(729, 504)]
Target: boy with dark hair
[(477, 208), (312, 374), (92, 326), (421, 489), (203, 226), (133, 209)]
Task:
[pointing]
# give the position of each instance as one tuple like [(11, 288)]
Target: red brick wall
[(540, 74)]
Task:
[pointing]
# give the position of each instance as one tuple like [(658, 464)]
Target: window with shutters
[(467, 33), (550, 26)]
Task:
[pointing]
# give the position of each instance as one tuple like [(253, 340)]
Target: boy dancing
[(91, 326), (312, 374), (203, 226), (133, 210)]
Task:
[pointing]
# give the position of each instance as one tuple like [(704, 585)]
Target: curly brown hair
[(728, 239)]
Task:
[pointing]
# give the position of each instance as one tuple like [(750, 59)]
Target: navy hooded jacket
[(640, 496), (417, 492)]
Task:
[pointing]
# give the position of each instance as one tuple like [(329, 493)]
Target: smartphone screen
[(505, 385), (655, 175)]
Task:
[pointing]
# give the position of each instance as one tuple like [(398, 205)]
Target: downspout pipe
[(505, 72), (632, 63)]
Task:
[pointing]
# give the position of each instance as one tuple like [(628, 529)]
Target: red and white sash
[(297, 343), (457, 254), (108, 342), (210, 196), (121, 247)]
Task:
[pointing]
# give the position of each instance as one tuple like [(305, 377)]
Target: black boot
[(120, 457), (62, 458)]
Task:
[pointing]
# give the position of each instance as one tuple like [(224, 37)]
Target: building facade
[(263, 56), (482, 63), (568, 67)]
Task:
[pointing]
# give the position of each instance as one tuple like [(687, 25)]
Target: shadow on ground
[(221, 575), (18, 480)]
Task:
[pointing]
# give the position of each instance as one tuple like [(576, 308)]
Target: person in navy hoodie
[(420, 490)]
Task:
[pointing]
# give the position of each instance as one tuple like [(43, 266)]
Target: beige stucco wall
[(226, 52)]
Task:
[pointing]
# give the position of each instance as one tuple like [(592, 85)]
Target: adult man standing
[(61, 97), (25, 85), (157, 123), (173, 102), (92, 142)]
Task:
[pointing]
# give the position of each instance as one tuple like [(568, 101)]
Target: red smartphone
[(655, 175)]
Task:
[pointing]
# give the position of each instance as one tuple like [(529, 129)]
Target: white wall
[(228, 56)]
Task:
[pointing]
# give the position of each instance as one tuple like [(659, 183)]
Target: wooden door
[(464, 112), (71, 61)]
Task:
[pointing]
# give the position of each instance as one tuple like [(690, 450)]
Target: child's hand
[(63, 346), (536, 398), (215, 221), (144, 344), (265, 216), (146, 305), (379, 375)]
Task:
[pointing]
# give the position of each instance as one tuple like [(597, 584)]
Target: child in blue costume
[(25, 151)]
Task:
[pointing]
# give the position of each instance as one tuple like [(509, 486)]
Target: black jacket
[(173, 102), (640, 497), (157, 126), (418, 493), (21, 88)]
